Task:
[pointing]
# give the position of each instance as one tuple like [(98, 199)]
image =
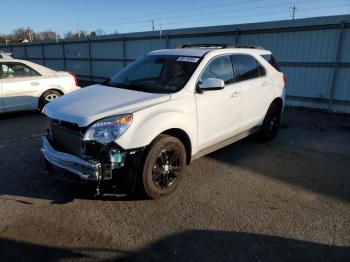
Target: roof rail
[(218, 46)]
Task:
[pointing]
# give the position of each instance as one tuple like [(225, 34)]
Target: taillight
[(284, 80), (75, 78)]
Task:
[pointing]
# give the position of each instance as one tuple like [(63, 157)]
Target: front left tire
[(163, 166)]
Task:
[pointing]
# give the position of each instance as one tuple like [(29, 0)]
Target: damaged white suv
[(139, 129)]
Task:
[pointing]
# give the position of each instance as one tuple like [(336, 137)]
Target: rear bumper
[(86, 170)]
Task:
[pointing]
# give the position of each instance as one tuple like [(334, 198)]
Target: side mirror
[(211, 84)]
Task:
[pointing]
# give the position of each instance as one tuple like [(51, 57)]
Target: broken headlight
[(109, 129)]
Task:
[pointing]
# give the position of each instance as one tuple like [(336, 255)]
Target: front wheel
[(47, 97), (163, 166), (271, 124)]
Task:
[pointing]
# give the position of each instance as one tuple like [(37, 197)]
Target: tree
[(75, 35), (100, 32), (21, 34), (47, 35)]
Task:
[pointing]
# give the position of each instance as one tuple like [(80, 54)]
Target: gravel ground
[(287, 200)]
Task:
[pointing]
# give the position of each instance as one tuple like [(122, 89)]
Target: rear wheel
[(47, 97), (163, 166), (271, 124)]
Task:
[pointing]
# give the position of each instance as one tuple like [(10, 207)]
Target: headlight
[(108, 129)]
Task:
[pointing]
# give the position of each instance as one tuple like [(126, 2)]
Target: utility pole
[(152, 21), (294, 8), (78, 31), (160, 28)]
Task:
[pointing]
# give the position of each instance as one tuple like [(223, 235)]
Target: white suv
[(141, 127)]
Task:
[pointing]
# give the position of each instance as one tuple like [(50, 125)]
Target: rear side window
[(14, 70), (272, 61), (247, 67)]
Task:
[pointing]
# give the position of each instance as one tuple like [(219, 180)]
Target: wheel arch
[(278, 101), (47, 90), (184, 138)]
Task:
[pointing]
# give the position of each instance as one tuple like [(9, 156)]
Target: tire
[(47, 97), (163, 166), (271, 124)]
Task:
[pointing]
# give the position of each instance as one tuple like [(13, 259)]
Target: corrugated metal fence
[(314, 54)]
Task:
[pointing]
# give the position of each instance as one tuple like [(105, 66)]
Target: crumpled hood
[(95, 102)]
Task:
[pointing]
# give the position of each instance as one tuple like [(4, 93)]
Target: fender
[(145, 128)]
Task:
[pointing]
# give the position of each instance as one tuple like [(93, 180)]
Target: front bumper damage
[(107, 170), (86, 170)]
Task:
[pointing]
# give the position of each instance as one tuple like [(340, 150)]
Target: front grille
[(65, 140)]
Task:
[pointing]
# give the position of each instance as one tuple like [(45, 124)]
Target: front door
[(218, 111), (20, 86)]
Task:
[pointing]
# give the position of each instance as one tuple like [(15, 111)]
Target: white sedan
[(27, 86)]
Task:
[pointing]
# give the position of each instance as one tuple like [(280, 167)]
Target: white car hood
[(95, 102)]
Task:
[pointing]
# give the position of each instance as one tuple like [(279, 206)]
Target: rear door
[(257, 90), (20, 86)]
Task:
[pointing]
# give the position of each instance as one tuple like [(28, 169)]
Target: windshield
[(156, 74)]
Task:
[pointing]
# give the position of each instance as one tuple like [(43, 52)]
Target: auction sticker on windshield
[(188, 59)]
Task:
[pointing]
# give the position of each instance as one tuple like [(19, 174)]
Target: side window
[(12, 70), (221, 68), (248, 67), (272, 61)]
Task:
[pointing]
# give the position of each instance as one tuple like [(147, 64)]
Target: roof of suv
[(201, 51)]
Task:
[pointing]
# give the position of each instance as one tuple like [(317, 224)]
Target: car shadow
[(322, 174), (191, 245)]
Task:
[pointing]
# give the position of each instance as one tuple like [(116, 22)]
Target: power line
[(185, 10), (260, 15), (209, 13), (226, 11)]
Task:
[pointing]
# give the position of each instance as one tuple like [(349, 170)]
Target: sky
[(134, 16)]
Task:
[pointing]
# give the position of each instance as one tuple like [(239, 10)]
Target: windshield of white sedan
[(156, 74)]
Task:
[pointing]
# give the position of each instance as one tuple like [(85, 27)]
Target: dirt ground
[(287, 200)]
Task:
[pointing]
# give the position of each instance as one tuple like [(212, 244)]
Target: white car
[(4, 55), (141, 127), (26, 86)]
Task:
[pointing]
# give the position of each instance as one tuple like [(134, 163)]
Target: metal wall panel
[(137, 48), (112, 50), (78, 67), (33, 52), (105, 69), (345, 52), (342, 84), (55, 64), (202, 40), (53, 51), (306, 48), (79, 50), (308, 81), (18, 52)]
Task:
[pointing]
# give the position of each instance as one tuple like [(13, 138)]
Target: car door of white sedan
[(20, 86)]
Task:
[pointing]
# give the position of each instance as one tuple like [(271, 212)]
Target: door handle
[(235, 94), (34, 83)]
